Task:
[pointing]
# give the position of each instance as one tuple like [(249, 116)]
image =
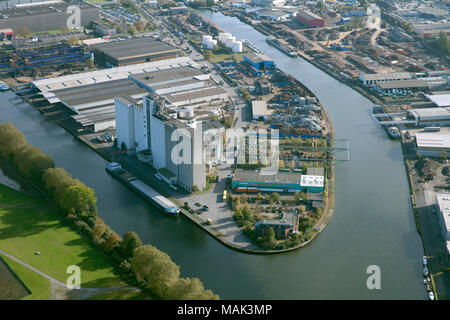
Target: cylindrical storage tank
[(237, 46), (223, 36), (210, 44), (206, 38), (185, 113), (230, 41)]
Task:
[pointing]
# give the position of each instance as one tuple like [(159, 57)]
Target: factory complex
[(47, 15)]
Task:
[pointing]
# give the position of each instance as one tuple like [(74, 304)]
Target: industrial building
[(376, 78), (183, 86), (429, 31), (310, 19), (47, 15), (269, 3), (285, 225), (91, 94), (440, 100), (131, 124), (134, 51), (281, 182), (432, 144), (430, 116), (273, 14), (171, 129), (259, 61), (6, 34), (443, 204), (259, 110), (416, 83)]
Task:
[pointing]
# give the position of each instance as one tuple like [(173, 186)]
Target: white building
[(269, 3), (443, 204), (440, 100), (131, 124), (432, 144), (374, 78), (259, 110)]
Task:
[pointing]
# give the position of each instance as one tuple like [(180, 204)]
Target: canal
[(372, 224)]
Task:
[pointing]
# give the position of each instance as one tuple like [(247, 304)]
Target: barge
[(153, 197), (282, 47)]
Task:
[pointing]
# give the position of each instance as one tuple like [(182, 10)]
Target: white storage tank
[(205, 39), (237, 46), (223, 36), (229, 42), (210, 44)]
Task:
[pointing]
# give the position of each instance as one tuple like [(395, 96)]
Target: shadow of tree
[(19, 222)]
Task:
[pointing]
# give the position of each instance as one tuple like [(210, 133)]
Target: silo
[(237, 46)]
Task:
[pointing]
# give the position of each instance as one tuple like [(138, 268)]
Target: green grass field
[(39, 286), (28, 225)]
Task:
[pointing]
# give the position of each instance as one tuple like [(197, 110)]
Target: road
[(430, 231)]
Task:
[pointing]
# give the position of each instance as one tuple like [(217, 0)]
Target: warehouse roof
[(430, 112), (255, 176), (315, 171), (412, 83), (441, 100), (104, 75), (28, 9), (308, 15), (259, 108), (387, 76), (133, 48), (312, 181), (257, 57), (86, 97), (432, 140), (194, 94), (165, 78)]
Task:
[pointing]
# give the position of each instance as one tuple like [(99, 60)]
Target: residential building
[(282, 227)]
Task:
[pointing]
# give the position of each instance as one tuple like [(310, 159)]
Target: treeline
[(143, 265)]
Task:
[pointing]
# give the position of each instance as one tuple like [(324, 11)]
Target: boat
[(425, 281), (424, 261), (147, 193), (431, 295), (251, 46), (429, 288), (3, 86), (393, 132), (425, 272)]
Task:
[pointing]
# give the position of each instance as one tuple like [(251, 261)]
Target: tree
[(270, 235), (443, 155), (275, 196), (247, 213), (130, 242), (123, 146), (281, 164), (32, 162), (297, 197), (443, 42), (74, 40), (154, 269), (24, 32), (132, 31), (11, 140), (80, 200), (190, 289), (99, 229), (112, 241), (89, 63)]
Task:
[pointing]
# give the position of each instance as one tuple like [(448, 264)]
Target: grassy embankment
[(27, 225)]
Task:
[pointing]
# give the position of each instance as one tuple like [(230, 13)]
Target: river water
[(372, 224)]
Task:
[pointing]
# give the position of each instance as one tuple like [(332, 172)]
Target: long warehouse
[(132, 51)]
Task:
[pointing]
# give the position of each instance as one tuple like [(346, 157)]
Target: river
[(372, 224)]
